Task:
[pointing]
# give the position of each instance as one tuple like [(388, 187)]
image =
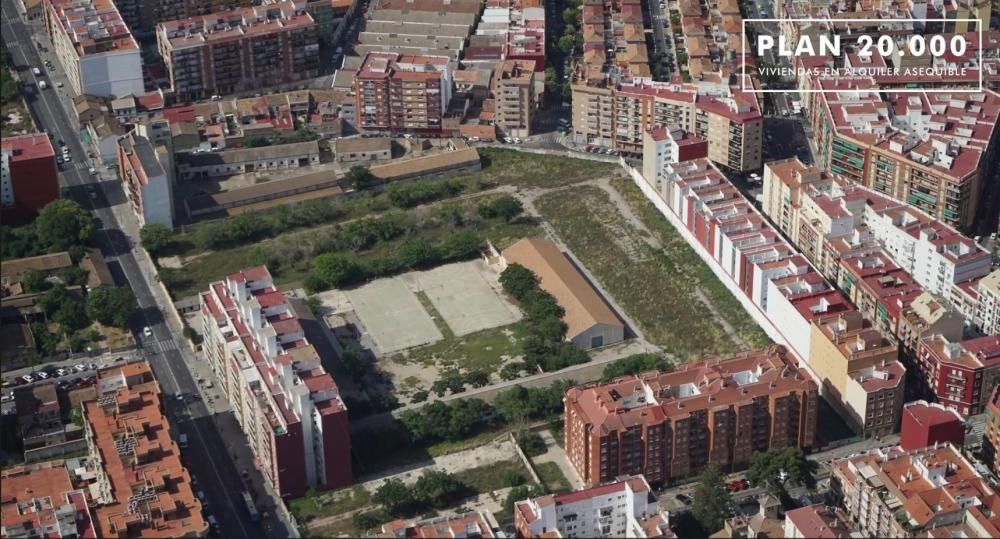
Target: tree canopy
[(635, 364), (64, 223), (711, 505), (112, 305), (774, 469), (359, 177), (154, 237)]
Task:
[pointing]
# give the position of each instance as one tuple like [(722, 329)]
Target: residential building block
[(147, 174), (95, 47), (961, 374), (400, 93), (288, 406), (624, 508), (667, 426), (28, 176), (933, 490), (141, 486), (238, 50), (926, 424)]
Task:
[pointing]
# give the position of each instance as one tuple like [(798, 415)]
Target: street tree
[(774, 469), (394, 496), (711, 505), (155, 237)]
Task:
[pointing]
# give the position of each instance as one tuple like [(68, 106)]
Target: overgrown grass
[(510, 167), (552, 477), (480, 351), (645, 284), (484, 437), (490, 477), (690, 266), (320, 504)]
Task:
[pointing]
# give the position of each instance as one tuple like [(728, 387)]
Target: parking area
[(392, 316), (467, 295)]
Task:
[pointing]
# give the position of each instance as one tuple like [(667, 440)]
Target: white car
[(147, 331), (508, 140), (92, 170), (59, 85), (27, 378), (517, 140), (80, 368), (61, 372), (43, 375), (36, 72)]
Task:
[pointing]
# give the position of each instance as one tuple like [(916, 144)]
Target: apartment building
[(402, 93), (933, 150), (933, 490), (860, 373), (925, 424), (728, 118), (960, 374), (42, 497), (39, 415), (776, 281), (624, 508), (147, 176), (880, 289), (936, 255), (668, 426), (514, 97), (987, 312), (331, 18), (481, 525), (28, 176), (991, 438), (238, 50), (95, 47), (924, 316), (663, 146), (287, 405), (815, 521), (141, 486), (142, 16)]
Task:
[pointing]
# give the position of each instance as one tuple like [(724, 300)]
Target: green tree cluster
[(155, 238), (545, 346), (440, 421), (112, 305), (60, 226), (711, 505), (635, 364), (505, 207), (775, 469), (359, 177), (410, 194), (519, 404), (434, 489)]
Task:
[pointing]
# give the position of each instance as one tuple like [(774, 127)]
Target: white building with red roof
[(625, 508), (288, 406)]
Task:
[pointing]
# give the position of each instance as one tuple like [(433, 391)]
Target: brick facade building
[(669, 425)]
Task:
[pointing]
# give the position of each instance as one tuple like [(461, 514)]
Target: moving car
[(36, 72)]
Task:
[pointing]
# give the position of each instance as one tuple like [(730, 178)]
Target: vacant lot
[(467, 295), (645, 283), (509, 167), (689, 266), (392, 315), (290, 255)]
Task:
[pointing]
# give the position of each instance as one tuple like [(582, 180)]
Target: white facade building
[(988, 304), (625, 508), (935, 255)]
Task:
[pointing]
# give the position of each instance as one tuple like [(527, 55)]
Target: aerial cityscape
[(500, 268)]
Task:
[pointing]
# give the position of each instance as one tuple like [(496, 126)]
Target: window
[(597, 341)]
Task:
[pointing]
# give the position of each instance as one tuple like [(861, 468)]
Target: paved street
[(208, 455), (668, 497)]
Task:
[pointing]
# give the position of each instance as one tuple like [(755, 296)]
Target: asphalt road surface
[(207, 456)]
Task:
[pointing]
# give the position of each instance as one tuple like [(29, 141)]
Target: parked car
[(147, 331), (92, 366), (42, 374), (683, 498), (27, 378), (80, 368), (61, 372)]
